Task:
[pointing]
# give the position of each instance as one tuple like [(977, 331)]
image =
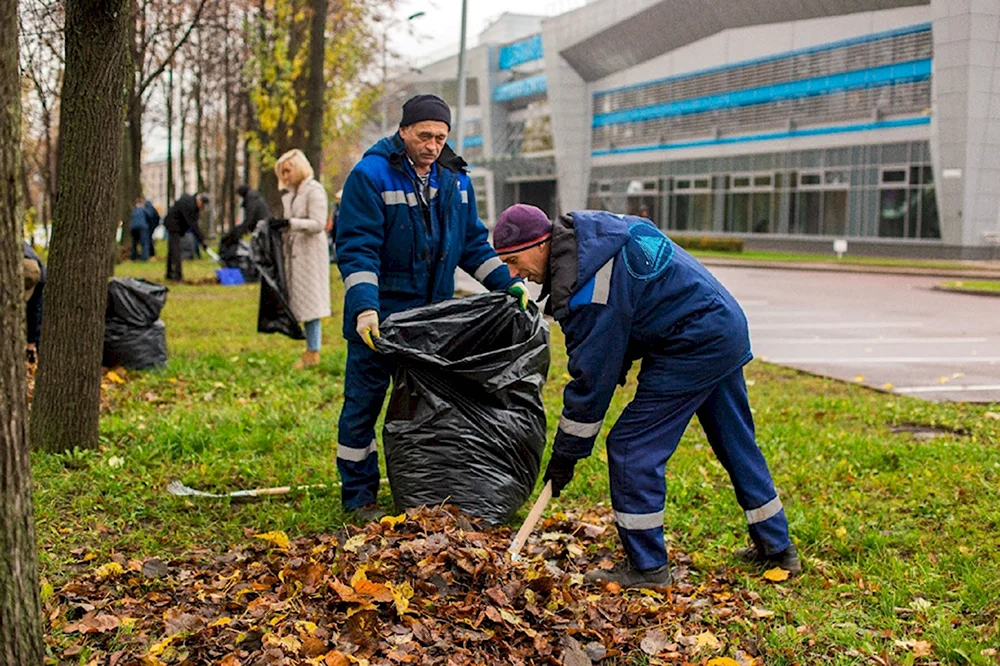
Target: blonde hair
[(301, 169)]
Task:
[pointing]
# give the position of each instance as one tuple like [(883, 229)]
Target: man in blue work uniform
[(407, 219), (622, 291)]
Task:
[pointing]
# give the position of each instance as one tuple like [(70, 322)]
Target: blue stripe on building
[(518, 53), (831, 46), (472, 141), (533, 85), (769, 136), (874, 77)]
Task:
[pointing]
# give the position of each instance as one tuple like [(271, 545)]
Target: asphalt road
[(891, 332), (886, 331)]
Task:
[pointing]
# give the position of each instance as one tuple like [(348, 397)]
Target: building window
[(692, 205), (907, 203)]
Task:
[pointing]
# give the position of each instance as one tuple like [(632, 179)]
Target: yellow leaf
[(944, 380), (359, 575), (305, 627), (723, 661), (509, 617), (109, 570), (401, 595), (157, 648), (278, 538), (922, 649), (221, 622), (888, 386), (128, 623), (859, 378), (355, 542), (707, 639), (114, 377), (392, 521), (776, 575)]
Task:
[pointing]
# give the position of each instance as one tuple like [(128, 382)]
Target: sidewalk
[(977, 270)]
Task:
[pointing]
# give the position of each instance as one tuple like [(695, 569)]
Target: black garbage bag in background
[(273, 315), (465, 424), (235, 253), (134, 335)]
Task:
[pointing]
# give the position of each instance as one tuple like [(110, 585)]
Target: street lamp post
[(385, 65), (459, 128)]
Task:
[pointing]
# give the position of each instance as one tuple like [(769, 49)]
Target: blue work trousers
[(366, 380), (647, 434)]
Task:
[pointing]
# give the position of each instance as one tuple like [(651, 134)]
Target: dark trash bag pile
[(273, 314), (465, 423), (235, 253), (134, 335)]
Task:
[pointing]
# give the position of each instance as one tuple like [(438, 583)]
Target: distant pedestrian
[(307, 257), (138, 226), (255, 210), (153, 220), (181, 218), (34, 286)]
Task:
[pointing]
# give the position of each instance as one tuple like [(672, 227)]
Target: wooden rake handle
[(530, 521)]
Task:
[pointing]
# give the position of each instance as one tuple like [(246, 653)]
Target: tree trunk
[(316, 92), (67, 391), (20, 607), (199, 123)]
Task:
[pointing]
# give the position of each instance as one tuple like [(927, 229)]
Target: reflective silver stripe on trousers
[(487, 267), (361, 277), (769, 510), (571, 427), (356, 455), (639, 521), (465, 197), (602, 283)]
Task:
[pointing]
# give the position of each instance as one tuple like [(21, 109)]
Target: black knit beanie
[(425, 107)]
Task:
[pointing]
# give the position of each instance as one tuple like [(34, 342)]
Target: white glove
[(367, 327)]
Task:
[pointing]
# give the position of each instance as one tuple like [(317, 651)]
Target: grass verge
[(900, 535)]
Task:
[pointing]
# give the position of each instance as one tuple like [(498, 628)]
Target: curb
[(970, 292), (982, 274)]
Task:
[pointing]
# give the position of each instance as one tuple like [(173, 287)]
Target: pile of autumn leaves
[(430, 587)]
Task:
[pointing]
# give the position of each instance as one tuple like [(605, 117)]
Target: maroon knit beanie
[(521, 227)]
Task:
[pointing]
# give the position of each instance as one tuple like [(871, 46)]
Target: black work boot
[(788, 559), (628, 576), (369, 513)]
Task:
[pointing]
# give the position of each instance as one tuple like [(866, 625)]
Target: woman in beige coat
[(307, 256)]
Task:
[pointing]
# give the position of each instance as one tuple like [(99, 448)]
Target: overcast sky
[(436, 33)]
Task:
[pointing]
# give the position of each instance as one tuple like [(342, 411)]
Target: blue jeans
[(314, 334)]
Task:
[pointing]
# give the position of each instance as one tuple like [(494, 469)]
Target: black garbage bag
[(135, 302), (235, 253), (134, 335), (134, 348), (465, 424), (274, 314)]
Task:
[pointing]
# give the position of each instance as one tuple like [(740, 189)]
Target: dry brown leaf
[(654, 642)]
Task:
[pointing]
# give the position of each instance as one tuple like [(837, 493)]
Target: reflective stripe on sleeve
[(577, 429), (487, 267), (361, 277)]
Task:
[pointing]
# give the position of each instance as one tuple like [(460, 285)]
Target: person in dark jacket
[(153, 219), (622, 291), (34, 285), (254, 210), (181, 218), (138, 227), (407, 220)]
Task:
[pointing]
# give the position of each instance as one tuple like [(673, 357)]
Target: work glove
[(367, 327), (521, 292), (277, 223), (559, 472)]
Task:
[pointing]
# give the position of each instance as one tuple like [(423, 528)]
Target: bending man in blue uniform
[(407, 220), (622, 291)]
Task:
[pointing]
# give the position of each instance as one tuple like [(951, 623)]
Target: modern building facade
[(786, 122)]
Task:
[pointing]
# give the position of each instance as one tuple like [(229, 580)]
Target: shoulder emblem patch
[(648, 252)]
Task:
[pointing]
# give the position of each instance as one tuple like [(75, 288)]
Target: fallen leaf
[(992, 415), (922, 649), (859, 378), (113, 376), (355, 542), (278, 538), (707, 639), (573, 654), (401, 595), (760, 613), (392, 521), (776, 575), (654, 642), (109, 570), (93, 624), (723, 661)]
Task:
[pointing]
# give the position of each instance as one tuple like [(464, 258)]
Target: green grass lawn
[(900, 535), (990, 286), (764, 255)]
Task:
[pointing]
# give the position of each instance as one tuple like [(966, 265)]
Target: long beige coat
[(307, 256)]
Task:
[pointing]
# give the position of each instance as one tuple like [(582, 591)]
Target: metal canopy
[(671, 24)]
